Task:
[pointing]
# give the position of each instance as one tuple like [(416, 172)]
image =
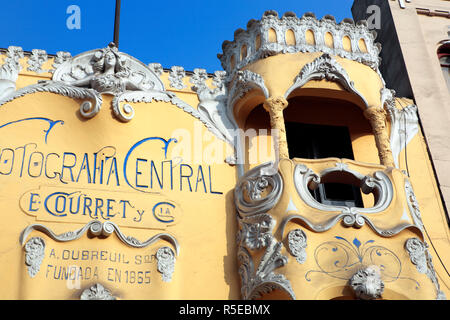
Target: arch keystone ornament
[(367, 283)]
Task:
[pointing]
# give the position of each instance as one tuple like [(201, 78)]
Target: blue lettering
[(138, 173), (64, 166), (113, 168), (85, 167), (202, 179), (36, 163), (125, 202), (87, 206), (57, 204), (137, 144), (8, 160), (184, 176), (33, 202), (153, 168), (46, 161), (98, 206), (210, 183), (78, 205), (58, 195), (23, 156), (109, 207)]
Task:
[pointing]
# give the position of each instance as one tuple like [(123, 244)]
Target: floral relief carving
[(36, 60), (97, 292), (166, 263), (176, 76), (34, 254)]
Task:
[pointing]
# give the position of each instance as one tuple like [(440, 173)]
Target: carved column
[(377, 119), (275, 107)]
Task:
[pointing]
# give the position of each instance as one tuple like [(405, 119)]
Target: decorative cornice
[(88, 109), (254, 42)]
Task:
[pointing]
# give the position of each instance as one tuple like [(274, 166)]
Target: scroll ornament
[(97, 228)]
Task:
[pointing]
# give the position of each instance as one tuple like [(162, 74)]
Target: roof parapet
[(267, 37)]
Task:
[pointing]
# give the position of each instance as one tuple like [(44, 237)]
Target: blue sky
[(171, 32)]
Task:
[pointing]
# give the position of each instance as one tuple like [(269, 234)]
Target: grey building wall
[(392, 65)]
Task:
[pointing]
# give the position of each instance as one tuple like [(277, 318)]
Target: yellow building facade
[(282, 177)]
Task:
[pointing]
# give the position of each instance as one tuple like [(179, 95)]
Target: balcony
[(292, 246)]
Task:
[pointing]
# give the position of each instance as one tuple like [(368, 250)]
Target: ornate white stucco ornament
[(97, 292), (404, 126), (34, 254), (297, 242), (367, 283), (176, 76), (9, 71), (421, 258), (166, 263), (324, 67), (404, 122), (61, 57), (37, 59), (97, 229), (213, 103), (107, 71), (259, 276)]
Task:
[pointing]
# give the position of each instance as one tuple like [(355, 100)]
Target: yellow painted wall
[(204, 233)]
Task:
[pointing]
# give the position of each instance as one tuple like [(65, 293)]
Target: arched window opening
[(444, 60), (318, 128)]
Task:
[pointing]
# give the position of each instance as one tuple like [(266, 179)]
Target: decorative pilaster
[(275, 107), (377, 119)]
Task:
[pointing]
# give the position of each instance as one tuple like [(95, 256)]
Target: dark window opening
[(444, 59), (311, 141)]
